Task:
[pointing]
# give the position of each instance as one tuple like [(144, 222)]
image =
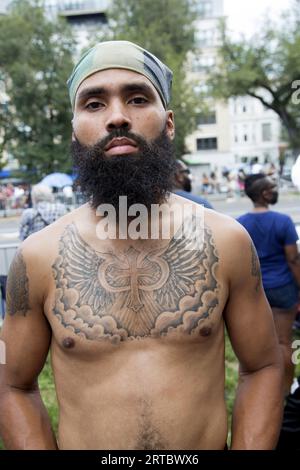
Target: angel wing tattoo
[(134, 293)]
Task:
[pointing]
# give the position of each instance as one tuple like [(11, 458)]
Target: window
[(266, 132), (205, 37), (205, 8), (51, 5), (203, 63), (210, 143), (75, 5), (209, 118), (201, 88)]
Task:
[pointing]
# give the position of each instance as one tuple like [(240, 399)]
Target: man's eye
[(93, 105), (138, 100)]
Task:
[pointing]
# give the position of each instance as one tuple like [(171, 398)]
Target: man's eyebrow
[(138, 87), (91, 91)]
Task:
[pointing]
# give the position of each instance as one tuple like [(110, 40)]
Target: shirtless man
[(135, 326)]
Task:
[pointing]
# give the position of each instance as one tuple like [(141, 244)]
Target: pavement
[(9, 230)]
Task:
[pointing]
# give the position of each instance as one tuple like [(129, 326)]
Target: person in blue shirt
[(274, 236), (183, 185)]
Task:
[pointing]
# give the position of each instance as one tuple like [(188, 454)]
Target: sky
[(245, 16)]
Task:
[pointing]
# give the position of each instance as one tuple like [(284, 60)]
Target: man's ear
[(170, 124)]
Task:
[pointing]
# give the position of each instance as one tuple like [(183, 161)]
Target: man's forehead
[(116, 78)]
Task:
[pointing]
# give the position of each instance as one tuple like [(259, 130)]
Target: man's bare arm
[(258, 407), (24, 422), (293, 259)]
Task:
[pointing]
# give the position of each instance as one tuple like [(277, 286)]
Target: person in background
[(296, 173), (241, 176), (275, 239), (43, 213), (273, 171), (183, 185), (214, 182), (205, 184), (256, 167), (2, 198)]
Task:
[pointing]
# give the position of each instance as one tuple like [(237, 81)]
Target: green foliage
[(35, 61), (162, 26), (5, 119), (47, 388), (264, 67), (165, 28)]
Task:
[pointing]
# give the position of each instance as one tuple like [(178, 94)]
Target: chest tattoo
[(134, 293)]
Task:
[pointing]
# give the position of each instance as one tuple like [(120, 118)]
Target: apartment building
[(85, 16), (208, 146), (255, 131), (3, 6)]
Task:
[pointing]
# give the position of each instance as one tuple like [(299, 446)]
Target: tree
[(164, 27), (35, 61), (265, 67), (5, 121)]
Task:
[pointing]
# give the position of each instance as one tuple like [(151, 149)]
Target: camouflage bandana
[(122, 55)]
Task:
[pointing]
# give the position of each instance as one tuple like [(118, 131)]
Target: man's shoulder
[(223, 226), (231, 241)]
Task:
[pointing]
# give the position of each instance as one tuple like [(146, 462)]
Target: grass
[(47, 388), (231, 376)]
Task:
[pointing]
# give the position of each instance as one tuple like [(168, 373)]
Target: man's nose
[(118, 118)]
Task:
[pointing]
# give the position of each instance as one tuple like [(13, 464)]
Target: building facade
[(85, 16), (209, 145), (255, 131), (231, 133), (3, 6)]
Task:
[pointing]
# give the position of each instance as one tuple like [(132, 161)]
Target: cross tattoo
[(134, 271)]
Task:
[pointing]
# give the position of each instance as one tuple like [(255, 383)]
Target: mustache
[(100, 145)]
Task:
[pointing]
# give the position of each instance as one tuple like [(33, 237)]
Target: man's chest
[(134, 293)]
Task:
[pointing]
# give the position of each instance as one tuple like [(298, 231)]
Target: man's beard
[(145, 177)]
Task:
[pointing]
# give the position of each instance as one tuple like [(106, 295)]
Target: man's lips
[(119, 146)]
